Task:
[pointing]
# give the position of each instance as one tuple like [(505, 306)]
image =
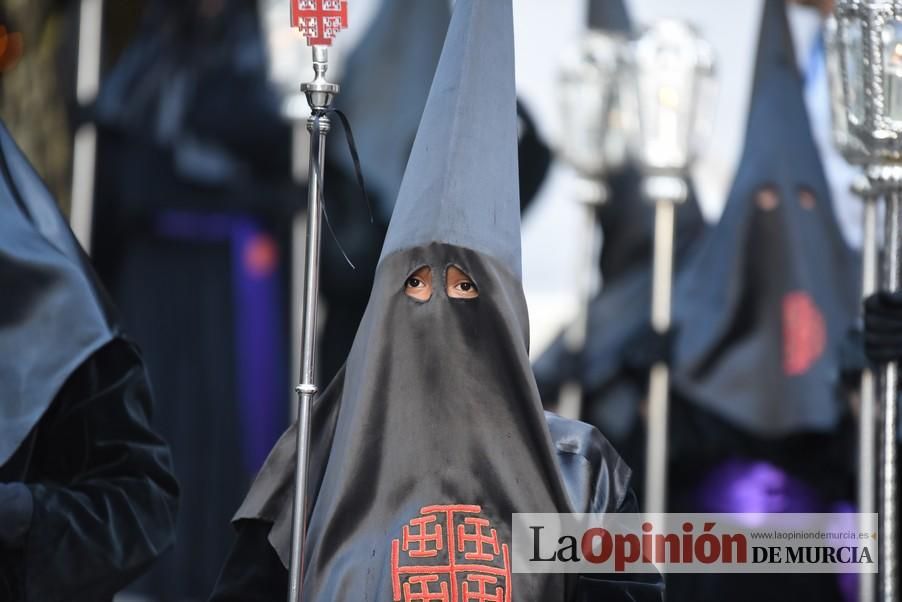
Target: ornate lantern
[(866, 65), (671, 87), (589, 89)]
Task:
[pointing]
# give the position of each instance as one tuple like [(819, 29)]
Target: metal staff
[(667, 193), (671, 75), (84, 150), (867, 425), (887, 182), (570, 401), (868, 39), (588, 87), (320, 21), (889, 525), (847, 97)]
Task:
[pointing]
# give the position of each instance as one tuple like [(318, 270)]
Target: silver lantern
[(588, 92), (867, 48), (669, 84), (592, 143), (856, 153)]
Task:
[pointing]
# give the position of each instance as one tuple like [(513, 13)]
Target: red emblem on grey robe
[(450, 554), (804, 333)]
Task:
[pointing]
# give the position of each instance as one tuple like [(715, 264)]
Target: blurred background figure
[(193, 194), (620, 347), (763, 422)]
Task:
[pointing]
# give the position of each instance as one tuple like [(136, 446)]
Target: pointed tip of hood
[(461, 182), (609, 15), (775, 48)]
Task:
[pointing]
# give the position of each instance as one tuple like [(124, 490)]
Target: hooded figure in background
[(383, 93), (87, 496), (194, 193), (761, 422), (436, 419), (620, 349)]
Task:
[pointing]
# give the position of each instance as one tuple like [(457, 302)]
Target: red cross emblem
[(481, 593), (450, 554), (804, 333), (319, 20), (429, 543), (424, 591)]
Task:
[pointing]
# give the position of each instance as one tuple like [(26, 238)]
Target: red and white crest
[(320, 21), (450, 554)]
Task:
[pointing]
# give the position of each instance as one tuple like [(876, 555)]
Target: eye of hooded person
[(458, 285), (807, 199), (767, 199), (419, 284)]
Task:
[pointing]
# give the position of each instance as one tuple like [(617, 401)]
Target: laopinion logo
[(694, 543)]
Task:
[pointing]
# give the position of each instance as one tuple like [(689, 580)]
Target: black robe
[(596, 479), (436, 417), (87, 496), (193, 206), (103, 498)]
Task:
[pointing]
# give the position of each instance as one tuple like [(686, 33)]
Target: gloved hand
[(16, 507), (647, 348), (883, 327), (852, 358)]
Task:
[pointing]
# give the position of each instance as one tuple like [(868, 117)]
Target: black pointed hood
[(763, 308), (461, 184), (53, 315), (609, 15), (436, 419), (384, 90)]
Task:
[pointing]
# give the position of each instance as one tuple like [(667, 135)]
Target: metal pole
[(300, 159), (320, 94), (659, 379), (867, 425), (84, 151), (570, 402), (889, 532)]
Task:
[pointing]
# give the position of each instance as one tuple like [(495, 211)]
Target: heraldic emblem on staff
[(320, 21), (450, 554)]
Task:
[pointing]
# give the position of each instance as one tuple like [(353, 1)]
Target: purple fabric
[(257, 322), (753, 486), (848, 582)]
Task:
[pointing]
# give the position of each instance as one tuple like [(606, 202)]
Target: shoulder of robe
[(596, 477)]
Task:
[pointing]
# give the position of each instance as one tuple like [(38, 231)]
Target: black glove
[(852, 358), (16, 507), (883, 327), (647, 348)]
